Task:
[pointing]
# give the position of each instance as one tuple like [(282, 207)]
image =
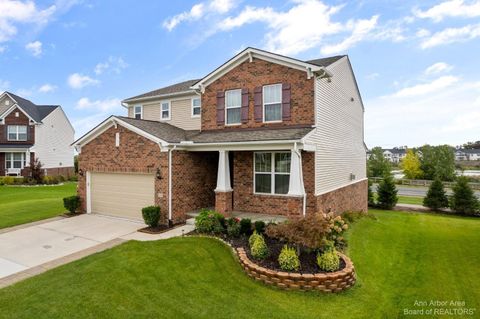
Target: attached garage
[(120, 194)]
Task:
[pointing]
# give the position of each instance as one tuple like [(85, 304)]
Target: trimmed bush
[(328, 260), (71, 203), (233, 227), (288, 259), (436, 197), (8, 180), (49, 180), (210, 222), (387, 193), (246, 226), (259, 226), (259, 249), (151, 215), (463, 200), (252, 238)]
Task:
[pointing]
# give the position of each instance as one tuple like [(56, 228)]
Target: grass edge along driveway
[(25, 204), (399, 258)]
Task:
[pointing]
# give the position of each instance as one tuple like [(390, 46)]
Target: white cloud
[(4, 85), (78, 81), (421, 33), (198, 11), (451, 8), (426, 88), (438, 67), (452, 35), (99, 105), (47, 88), (24, 92), (35, 48), (113, 64)]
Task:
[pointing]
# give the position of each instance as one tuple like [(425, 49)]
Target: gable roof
[(161, 130), (35, 112), (177, 88), (326, 61)]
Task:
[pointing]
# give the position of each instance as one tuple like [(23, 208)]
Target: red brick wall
[(349, 198), (194, 178), (255, 74), (2, 164), (22, 119), (246, 200), (64, 171)]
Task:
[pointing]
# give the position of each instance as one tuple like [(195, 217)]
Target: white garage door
[(121, 194)]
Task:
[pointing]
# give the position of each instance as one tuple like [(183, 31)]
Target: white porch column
[(296, 187), (223, 176), (27, 158)]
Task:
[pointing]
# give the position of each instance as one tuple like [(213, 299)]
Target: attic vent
[(7, 102), (17, 114)]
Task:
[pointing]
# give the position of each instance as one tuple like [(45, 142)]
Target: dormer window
[(17, 132), (272, 103), (165, 111), (138, 110)]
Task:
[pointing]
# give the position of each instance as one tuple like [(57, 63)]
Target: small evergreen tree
[(436, 197), (371, 199), (36, 169), (387, 193), (464, 200)]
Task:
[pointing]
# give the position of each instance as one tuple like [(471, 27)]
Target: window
[(196, 107), (15, 160), (138, 110), (233, 106), (272, 172), (17, 132), (165, 111), (272, 103)]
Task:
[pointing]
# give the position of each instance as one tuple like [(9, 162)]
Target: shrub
[(463, 200), (37, 171), (387, 193), (246, 226), (71, 203), (328, 260), (252, 238), (209, 221), (436, 197), (8, 180), (259, 226), (233, 227), (259, 249), (73, 178), (49, 180), (288, 259), (151, 215), (371, 199)]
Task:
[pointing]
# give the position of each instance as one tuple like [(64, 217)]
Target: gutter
[(153, 97), (304, 195), (170, 182)]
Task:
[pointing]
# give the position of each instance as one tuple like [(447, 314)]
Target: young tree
[(464, 200), (436, 197), (387, 192), (371, 199), (438, 161), (37, 171), (411, 165), (377, 164)]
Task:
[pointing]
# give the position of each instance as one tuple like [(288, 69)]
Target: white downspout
[(304, 195), (170, 182)]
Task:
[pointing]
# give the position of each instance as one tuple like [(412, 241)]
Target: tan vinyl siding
[(338, 136), (151, 111), (3, 106), (130, 111)]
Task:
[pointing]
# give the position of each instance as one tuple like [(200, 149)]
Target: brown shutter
[(257, 96), (286, 95), (245, 105), (220, 108)]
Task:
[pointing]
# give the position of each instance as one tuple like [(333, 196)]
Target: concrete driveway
[(35, 245)]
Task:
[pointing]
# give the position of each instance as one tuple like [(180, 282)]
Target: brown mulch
[(159, 229)]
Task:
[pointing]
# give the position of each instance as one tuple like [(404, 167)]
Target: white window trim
[(135, 112), (17, 133), (263, 102), (272, 174), (195, 115), (235, 107), (169, 110), (23, 160)]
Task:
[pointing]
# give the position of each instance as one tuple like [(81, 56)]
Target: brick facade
[(63, 171), (22, 119), (224, 202), (256, 74), (349, 198)]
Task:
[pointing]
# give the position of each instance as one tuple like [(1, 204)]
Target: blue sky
[(416, 62)]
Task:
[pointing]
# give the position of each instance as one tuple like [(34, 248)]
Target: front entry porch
[(14, 162)]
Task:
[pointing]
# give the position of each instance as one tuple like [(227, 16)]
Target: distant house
[(467, 154), (394, 155), (29, 131)]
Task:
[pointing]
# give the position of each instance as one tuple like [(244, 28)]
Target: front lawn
[(410, 200), (400, 258), (19, 204)]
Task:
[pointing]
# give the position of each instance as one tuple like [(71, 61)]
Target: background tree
[(411, 165), (387, 192), (436, 197), (377, 164), (464, 200), (371, 199), (75, 164), (438, 161), (472, 145)]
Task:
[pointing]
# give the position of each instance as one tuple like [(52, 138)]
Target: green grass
[(410, 200), (20, 205), (399, 258)]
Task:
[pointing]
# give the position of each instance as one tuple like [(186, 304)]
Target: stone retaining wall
[(325, 282)]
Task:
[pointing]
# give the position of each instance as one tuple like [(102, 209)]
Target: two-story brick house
[(29, 131), (261, 133)]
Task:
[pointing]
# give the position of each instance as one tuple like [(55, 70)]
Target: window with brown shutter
[(258, 104), (220, 108), (245, 103), (286, 96)]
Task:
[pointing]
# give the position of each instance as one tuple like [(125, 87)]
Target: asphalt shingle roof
[(164, 131), (36, 112), (174, 88), (326, 61)]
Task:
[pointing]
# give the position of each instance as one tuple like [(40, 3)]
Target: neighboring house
[(467, 154), (29, 131), (394, 155), (262, 133)]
